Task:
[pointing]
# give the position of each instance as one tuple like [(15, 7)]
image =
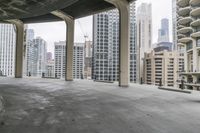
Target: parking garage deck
[(56, 106)]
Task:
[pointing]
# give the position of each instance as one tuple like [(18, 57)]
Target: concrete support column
[(195, 56), (69, 43), (124, 41), (19, 47), (185, 60), (195, 79)]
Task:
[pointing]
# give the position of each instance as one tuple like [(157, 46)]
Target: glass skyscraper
[(105, 65)]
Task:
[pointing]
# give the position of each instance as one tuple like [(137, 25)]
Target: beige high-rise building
[(188, 33), (162, 66), (144, 35)]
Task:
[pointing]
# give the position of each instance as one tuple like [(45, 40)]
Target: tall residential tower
[(7, 49), (163, 33), (39, 57), (29, 51), (144, 35)]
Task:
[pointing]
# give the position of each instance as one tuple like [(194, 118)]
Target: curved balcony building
[(195, 11), (184, 20), (183, 3), (185, 30), (196, 34), (194, 2), (188, 33), (195, 23), (185, 40), (184, 11)]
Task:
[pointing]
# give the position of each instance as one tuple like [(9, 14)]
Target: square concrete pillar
[(19, 47), (195, 56), (69, 43), (124, 41), (69, 49)]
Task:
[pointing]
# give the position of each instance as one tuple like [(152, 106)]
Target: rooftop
[(81, 106)]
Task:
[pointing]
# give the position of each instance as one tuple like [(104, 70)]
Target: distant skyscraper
[(60, 58), (78, 59), (144, 34), (106, 45), (165, 45), (29, 51), (163, 33), (49, 56), (39, 59), (78, 62), (30, 34), (7, 49)]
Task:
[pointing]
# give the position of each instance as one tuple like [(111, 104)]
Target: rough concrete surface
[(1, 104), (55, 106)]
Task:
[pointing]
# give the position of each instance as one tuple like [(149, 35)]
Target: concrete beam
[(19, 47), (69, 43), (124, 41)]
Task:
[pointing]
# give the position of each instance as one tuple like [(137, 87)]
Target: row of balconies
[(186, 34), (185, 3), (189, 12)]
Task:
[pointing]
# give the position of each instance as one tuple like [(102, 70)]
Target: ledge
[(104, 81), (174, 90)]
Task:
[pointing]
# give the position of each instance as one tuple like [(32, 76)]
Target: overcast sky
[(56, 31)]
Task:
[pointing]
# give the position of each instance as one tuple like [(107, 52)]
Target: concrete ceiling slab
[(30, 11)]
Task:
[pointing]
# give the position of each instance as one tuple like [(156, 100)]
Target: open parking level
[(56, 106)]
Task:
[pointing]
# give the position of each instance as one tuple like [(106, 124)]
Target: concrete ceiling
[(32, 11)]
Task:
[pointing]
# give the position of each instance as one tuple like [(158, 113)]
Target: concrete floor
[(55, 106)]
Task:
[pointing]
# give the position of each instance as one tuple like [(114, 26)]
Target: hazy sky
[(56, 31)]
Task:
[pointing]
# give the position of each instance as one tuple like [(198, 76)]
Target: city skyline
[(113, 20)]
